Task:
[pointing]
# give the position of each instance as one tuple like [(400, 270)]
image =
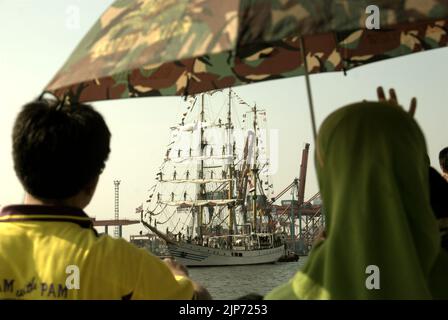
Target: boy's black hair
[(58, 151), (443, 159), (439, 202), (438, 194)]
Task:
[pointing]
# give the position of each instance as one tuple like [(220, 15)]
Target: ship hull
[(198, 256)]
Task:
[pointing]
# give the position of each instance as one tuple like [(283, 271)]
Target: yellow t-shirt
[(54, 253)]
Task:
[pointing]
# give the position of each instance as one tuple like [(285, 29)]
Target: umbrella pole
[(308, 88)]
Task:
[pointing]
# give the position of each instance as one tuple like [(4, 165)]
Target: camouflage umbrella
[(142, 48)]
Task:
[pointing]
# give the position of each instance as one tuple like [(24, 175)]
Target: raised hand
[(394, 100)]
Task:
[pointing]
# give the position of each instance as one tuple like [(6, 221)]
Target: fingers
[(168, 260), (182, 267), (380, 94), (171, 262), (176, 267), (394, 100), (413, 107), (393, 96)]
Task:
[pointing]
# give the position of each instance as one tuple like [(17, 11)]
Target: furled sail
[(201, 203), (204, 182), (198, 181)]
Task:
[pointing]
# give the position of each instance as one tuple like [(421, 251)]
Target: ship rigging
[(210, 198)]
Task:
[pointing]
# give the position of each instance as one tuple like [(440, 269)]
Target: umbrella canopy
[(144, 48)]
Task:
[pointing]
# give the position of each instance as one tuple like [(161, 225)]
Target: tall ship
[(210, 201)]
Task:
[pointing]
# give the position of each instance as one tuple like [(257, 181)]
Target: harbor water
[(233, 282)]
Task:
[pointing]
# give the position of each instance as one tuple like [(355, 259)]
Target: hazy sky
[(38, 36)]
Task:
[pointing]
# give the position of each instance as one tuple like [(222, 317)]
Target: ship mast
[(201, 171), (231, 169), (254, 170)]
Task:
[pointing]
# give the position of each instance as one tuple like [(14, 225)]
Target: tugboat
[(289, 256)]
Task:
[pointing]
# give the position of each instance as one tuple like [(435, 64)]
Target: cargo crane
[(309, 216)]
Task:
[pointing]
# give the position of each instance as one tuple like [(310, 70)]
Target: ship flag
[(139, 209)]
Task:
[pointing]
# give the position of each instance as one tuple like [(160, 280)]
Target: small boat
[(289, 256)]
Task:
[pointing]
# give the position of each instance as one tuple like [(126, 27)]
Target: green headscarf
[(373, 176)]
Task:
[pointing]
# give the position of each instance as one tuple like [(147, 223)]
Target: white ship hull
[(199, 256)]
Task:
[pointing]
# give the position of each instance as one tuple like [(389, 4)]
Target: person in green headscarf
[(382, 240)]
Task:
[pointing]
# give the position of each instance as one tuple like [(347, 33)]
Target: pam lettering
[(62, 291), (51, 290), (43, 288), (8, 285)]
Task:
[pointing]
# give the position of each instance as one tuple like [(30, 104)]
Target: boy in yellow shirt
[(48, 247)]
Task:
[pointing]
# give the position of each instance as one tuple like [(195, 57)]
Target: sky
[(38, 36)]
